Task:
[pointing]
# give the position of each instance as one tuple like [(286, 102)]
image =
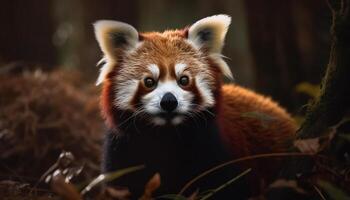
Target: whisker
[(136, 115), (126, 120)]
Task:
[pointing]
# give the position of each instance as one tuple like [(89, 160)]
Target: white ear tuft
[(105, 69), (114, 37), (210, 32), (225, 69)]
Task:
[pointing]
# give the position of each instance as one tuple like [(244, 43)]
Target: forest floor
[(51, 135), (48, 122)]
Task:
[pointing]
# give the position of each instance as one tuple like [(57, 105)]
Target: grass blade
[(226, 184), (332, 191), (109, 177)]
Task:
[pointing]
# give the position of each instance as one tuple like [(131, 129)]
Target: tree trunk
[(334, 100)]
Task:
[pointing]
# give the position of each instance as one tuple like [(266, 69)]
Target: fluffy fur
[(210, 123)]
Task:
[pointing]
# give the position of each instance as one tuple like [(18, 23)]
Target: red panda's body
[(166, 107), (252, 124), (246, 117)]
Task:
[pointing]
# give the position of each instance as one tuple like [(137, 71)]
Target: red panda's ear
[(113, 38), (208, 34)]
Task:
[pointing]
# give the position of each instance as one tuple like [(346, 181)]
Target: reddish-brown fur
[(270, 129), (244, 135), (164, 49)]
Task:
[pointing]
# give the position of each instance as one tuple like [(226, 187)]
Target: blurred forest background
[(272, 45), (48, 56)]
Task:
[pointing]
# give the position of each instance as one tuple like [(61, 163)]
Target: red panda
[(166, 107)]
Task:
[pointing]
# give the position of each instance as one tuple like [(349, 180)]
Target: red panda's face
[(169, 76), (165, 77)]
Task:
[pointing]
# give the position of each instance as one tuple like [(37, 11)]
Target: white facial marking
[(125, 92), (177, 120), (152, 99), (203, 87), (154, 69), (179, 68), (158, 121)]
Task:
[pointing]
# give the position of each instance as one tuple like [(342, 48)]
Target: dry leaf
[(282, 183), (118, 193), (152, 185), (311, 146), (65, 190), (193, 196)]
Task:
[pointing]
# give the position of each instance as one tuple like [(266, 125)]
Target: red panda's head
[(167, 76)]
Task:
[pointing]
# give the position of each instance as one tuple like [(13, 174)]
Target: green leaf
[(309, 89), (109, 177), (264, 118), (345, 137), (206, 192), (258, 115), (332, 191)]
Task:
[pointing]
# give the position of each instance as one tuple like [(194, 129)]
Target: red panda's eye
[(149, 82), (184, 80)]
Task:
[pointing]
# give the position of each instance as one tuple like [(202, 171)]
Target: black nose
[(168, 102)]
